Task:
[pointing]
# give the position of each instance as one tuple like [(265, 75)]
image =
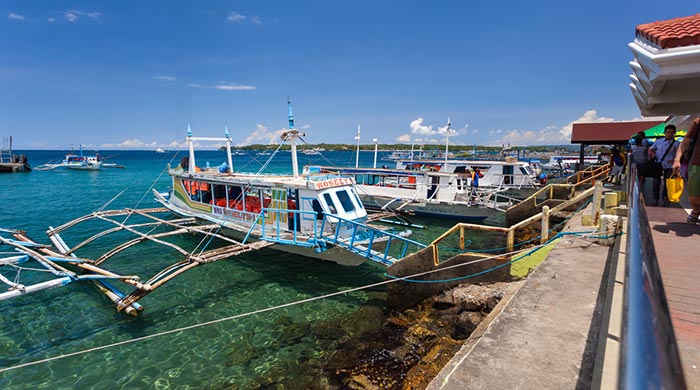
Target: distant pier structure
[(11, 162)]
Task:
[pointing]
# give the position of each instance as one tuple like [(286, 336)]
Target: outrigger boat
[(314, 215), (75, 161), (318, 216), (422, 193)]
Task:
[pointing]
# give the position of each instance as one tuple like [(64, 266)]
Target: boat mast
[(292, 139), (228, 150), (192, 166), (357, 154), (447, 141)]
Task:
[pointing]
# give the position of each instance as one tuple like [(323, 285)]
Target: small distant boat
[(263, 153), (77, 162), (82, 163), (112, 165), (159, 150), (311, 152)]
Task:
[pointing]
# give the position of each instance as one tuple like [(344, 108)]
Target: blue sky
[(133, 74)]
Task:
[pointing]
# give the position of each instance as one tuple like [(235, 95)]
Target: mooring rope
[(259, 311), (409, 278)]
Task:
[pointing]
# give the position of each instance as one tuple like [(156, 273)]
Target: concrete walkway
[(677, 246), (543, 338), (546, 334)]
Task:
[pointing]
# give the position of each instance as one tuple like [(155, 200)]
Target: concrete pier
[(561, 328)]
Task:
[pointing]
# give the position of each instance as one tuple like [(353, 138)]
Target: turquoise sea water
[(285, 348)]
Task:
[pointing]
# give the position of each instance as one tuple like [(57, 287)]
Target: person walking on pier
[(617, 161), (666, 148), (640, 153), (690, 144)]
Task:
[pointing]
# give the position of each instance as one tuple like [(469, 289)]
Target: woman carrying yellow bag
[(690, 144)]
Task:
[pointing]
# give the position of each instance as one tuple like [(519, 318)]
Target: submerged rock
[(413, 345)]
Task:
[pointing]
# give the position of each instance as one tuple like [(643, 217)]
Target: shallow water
[(287, 346)]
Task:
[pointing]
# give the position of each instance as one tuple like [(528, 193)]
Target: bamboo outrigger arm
[(95, 271)]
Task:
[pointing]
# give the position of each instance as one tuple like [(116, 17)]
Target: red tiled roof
[(672, 33), (608, 132)]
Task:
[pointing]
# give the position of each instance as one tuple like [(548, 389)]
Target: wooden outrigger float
[(83, 269)]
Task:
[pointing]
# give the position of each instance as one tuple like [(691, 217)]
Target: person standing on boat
[(666, 148), (475, 177)]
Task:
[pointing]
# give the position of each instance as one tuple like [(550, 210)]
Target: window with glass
[(331, 205), (345, 201)]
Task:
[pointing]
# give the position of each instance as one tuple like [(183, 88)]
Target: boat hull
[(230, 229)]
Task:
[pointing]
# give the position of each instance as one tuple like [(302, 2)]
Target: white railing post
[(544, 233)]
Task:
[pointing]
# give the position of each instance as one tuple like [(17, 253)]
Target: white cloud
[(550, 135), (261, 134), (74, 15), (165, 78), (51, 20), (129, 144), (234, 87), (235, 17), (256, 20), (306, 127), (194, 85), (14, 16), (417, 127), (405, 138)]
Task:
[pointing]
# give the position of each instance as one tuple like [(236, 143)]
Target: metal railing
[(649, 353), (543, 216), (353, 236)]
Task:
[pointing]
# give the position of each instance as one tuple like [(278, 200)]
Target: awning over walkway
[(608, 133)]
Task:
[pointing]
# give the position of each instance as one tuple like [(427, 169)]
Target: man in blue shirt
[(664, 149)]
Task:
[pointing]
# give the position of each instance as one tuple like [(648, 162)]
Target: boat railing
[(362, 238), (524, 181), (649, 352), (509, 232)]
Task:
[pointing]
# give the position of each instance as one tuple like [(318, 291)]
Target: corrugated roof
[(608, 132), (668, 34)]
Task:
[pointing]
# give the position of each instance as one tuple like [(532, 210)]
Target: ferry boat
[(423, 193), (315, 215), (512, 178)]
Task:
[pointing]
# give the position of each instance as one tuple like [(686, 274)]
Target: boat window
[(460, 169), (267, 198), (252, 201), (524, 171), (219, 192), (316, 205), (205, 192), (345, 201), (329, 201), (357, 198)]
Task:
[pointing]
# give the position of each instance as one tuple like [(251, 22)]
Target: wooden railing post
[(544, 233), (510, 240)]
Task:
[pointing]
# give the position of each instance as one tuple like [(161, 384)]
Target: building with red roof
[(666, 67)]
